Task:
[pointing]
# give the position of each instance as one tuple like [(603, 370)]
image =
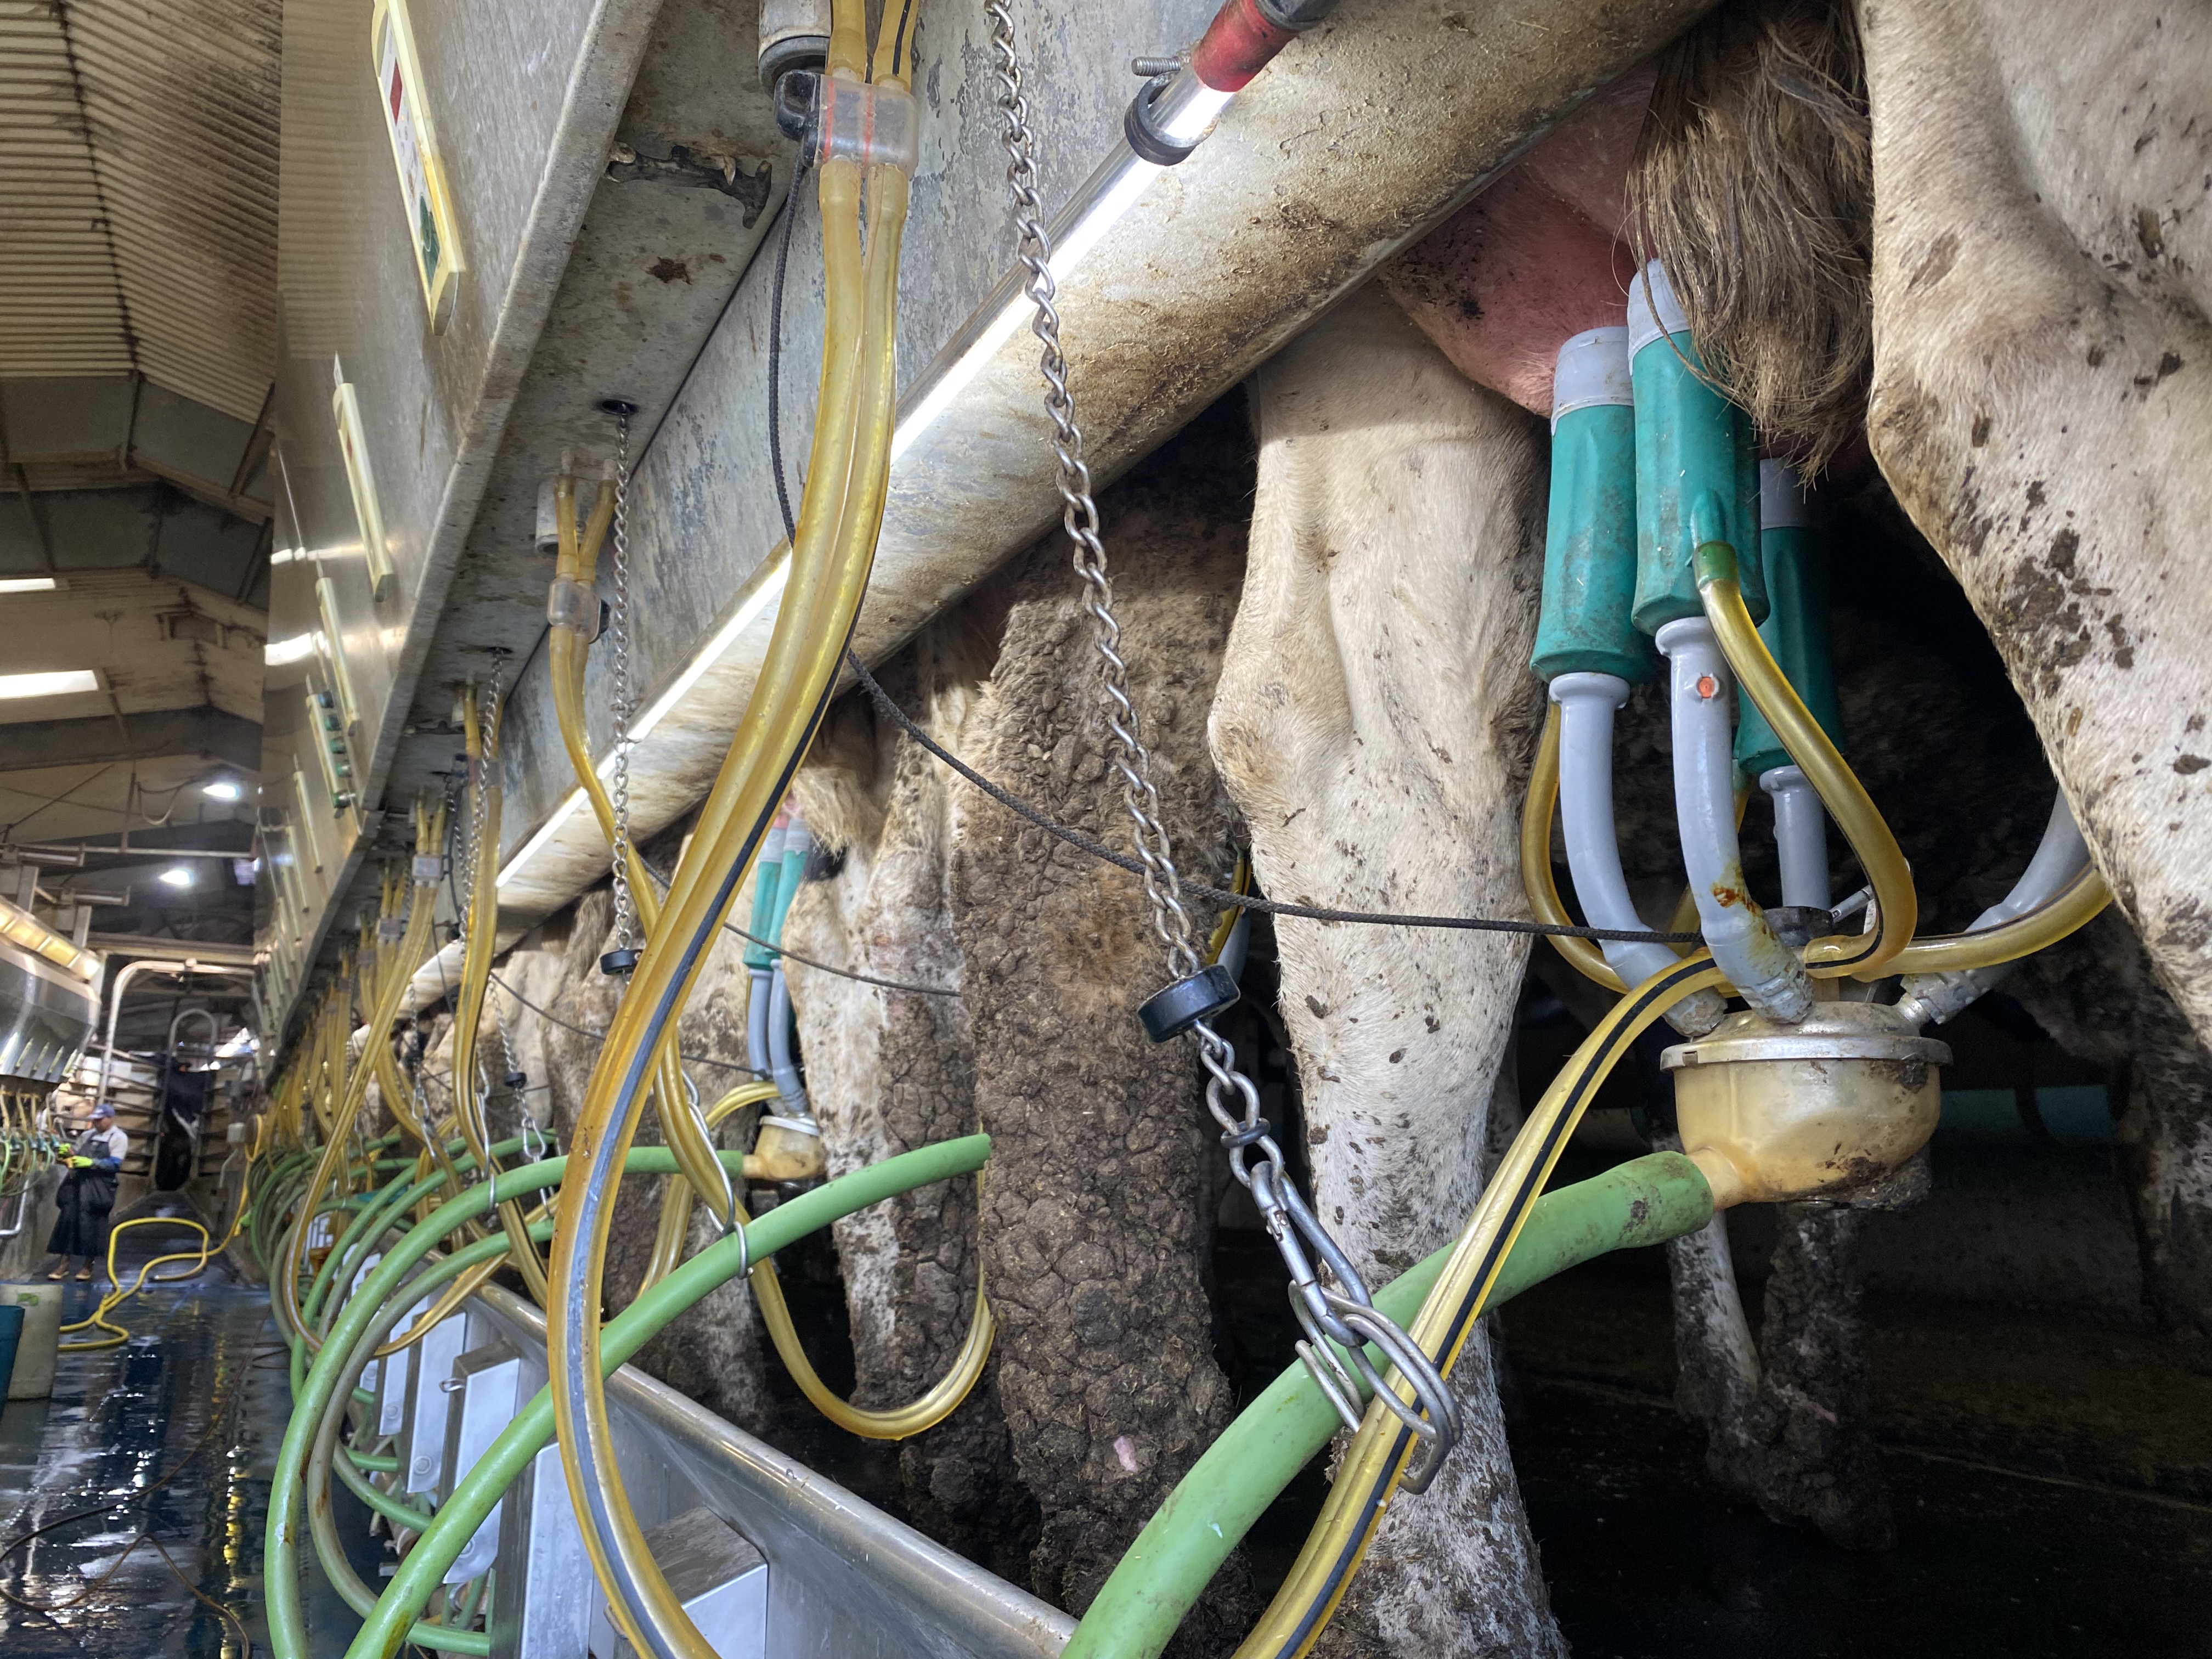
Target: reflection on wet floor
[(202, 1371)]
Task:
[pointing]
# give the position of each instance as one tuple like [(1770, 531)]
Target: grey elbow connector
[(2060, 856), (1766, 973), (783, 1065), (757, 1000), (1587, 701)]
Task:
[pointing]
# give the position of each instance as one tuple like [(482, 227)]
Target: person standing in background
[(88, 1194)]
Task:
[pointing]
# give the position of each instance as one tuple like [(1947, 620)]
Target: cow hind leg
[(1373, 722), (1093, 1230)]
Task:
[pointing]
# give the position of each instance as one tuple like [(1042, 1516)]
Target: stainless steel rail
[(844, 1578)]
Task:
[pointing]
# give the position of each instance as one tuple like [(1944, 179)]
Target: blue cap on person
[(103, 1110)]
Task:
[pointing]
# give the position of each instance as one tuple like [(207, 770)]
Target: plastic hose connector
[(1174, 1010), (573, 606), (1590, 542), (872, 124), (1690, 442)]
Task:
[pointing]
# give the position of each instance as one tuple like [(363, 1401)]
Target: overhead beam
[(94, 740)]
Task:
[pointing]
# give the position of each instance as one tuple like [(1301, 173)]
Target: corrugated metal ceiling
[(138, 193)]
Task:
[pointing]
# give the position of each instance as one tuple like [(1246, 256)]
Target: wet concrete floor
[(169, 1438)]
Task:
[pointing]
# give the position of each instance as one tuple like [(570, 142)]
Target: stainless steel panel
[(429, 1398), (490, 1379), (544, 1594), (846, 1581), (720, 1580), (46, 1015), (374, 1370), (392, 1383), (525, 94)]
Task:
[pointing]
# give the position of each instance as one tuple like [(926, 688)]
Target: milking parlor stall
[(1360, 828)]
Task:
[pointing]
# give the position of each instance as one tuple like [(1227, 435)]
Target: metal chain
[(488, 711), (619, 627), (1342, 1311)]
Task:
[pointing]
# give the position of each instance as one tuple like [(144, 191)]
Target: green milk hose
[(324, 1454), (477, 1493), (623, 1336), (1647, 1200)]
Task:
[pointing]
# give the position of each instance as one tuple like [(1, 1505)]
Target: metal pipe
[(145, 965), (1766, 972)]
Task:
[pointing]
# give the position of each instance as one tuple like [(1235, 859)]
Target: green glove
[(80, 1162)]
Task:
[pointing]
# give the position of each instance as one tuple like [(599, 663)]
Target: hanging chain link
[(487, 713), (619, 628), (1341, 1311)]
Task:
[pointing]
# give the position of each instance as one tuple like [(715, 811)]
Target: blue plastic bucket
[(11, 1333)]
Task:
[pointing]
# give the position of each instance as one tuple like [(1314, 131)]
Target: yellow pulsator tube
[(577, 564), (1376, 1461), (482, 924), (839, 521), (1866, 956), (2073, 906), (429, 833)]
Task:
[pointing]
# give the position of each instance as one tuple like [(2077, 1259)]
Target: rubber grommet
[(616, 964), (1172, 1012)]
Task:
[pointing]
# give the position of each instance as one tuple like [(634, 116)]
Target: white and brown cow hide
[(1097, 1225), (1374, 723), (888, 1071), (2043, 396)]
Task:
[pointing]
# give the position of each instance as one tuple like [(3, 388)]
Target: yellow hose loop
[(900, 1422), (1897, 908), (117, 1295), (2073, 906), (1371, 1469), (1582, 955)]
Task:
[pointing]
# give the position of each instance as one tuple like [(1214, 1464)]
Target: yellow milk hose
[(429, 835), (482, 738), (1871, 955), (925, 1412), (1370, 1470), (839, 521), (685, 1131)]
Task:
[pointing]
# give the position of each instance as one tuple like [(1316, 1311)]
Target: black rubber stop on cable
[(517, 1081), (1172, 1012), (616, 964), (1147, 137)]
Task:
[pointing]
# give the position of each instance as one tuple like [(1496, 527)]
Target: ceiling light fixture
[(59, 682), (176, 875), (221, 789), (29, 584)]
